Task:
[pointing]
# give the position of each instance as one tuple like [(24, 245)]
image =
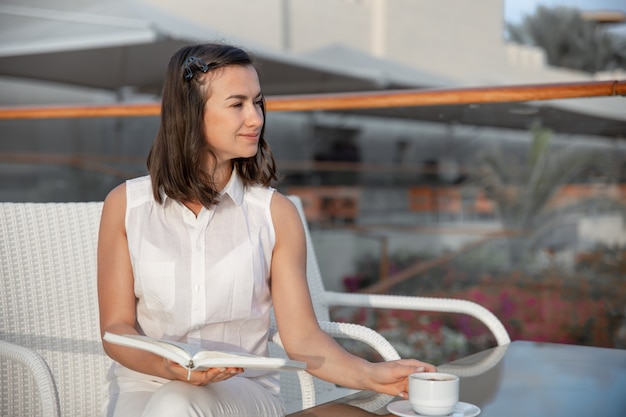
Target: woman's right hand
[(200, 378)]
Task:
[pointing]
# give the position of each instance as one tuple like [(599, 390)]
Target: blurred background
[(520, 206)]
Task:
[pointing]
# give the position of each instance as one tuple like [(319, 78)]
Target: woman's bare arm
[(298, 327)]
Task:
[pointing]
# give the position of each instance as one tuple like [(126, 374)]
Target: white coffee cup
[(433, 393)]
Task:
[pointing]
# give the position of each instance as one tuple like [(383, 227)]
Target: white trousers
[(236, 396)]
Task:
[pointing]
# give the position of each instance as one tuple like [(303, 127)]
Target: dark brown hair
[(176, 161)]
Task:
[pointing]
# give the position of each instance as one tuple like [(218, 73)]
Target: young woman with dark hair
[(203, 247)]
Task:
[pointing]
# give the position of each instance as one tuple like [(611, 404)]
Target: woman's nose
[(255, 116)]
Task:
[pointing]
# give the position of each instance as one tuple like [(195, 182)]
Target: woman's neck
[(222, 174), (194, 206)]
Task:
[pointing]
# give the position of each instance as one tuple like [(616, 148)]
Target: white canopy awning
[(128, 44)]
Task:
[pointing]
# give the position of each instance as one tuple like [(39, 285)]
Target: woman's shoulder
[(139, 183), (116, 195), (283, 207), (130, 193), (270, 197), (114, 206), (139, 190), (281, 201), (260, 195), (284, 202), (287, 220)]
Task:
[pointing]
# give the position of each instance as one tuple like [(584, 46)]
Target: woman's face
[(232, 113)]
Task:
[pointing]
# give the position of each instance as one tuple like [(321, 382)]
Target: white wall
[(441, 35), (446, 35), (316, 24), (258, 21)]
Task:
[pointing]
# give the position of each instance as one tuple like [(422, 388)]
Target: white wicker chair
[(50, 352)]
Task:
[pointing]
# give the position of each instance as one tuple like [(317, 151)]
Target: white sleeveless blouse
[(203, 280)]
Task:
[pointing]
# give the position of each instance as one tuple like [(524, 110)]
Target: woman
[(203, 247)]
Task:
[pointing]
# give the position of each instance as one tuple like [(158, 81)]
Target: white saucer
[(403, 409)]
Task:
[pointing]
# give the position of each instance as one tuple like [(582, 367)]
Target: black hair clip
[(193, 64)]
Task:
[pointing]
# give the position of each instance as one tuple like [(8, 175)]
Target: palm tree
[(522, 189), (569, 40)]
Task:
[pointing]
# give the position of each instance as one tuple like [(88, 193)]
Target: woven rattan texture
[(48, 301), (18, 391)]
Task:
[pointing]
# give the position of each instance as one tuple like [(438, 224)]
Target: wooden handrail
[(80, 111), (437, 97), (346, 101)]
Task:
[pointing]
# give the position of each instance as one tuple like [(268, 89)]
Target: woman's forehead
[(233, 80)]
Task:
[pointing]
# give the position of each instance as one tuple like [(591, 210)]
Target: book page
[(212, 359), (196, 358), (173, 351)]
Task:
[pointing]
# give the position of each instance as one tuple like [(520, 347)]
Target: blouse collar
[(234, 189)]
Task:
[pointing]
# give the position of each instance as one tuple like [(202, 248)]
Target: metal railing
[(346, 101)]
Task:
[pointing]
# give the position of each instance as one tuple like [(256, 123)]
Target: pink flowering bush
[(584, 307)]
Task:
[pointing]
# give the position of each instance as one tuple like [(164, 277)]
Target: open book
[(196, 358)]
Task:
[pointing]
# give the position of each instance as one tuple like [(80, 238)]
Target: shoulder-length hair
[(177, 159)]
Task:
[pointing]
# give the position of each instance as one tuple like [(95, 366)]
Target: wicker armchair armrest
[(41, 373), (444, 305)]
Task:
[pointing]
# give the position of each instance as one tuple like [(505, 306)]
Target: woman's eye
[(259, 102)]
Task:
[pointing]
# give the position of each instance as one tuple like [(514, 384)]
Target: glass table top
[(528, 379)]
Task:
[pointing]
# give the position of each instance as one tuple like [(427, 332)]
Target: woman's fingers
[(214, 375), (203, 377)]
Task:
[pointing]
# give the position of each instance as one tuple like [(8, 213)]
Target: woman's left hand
[(392, 377)]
